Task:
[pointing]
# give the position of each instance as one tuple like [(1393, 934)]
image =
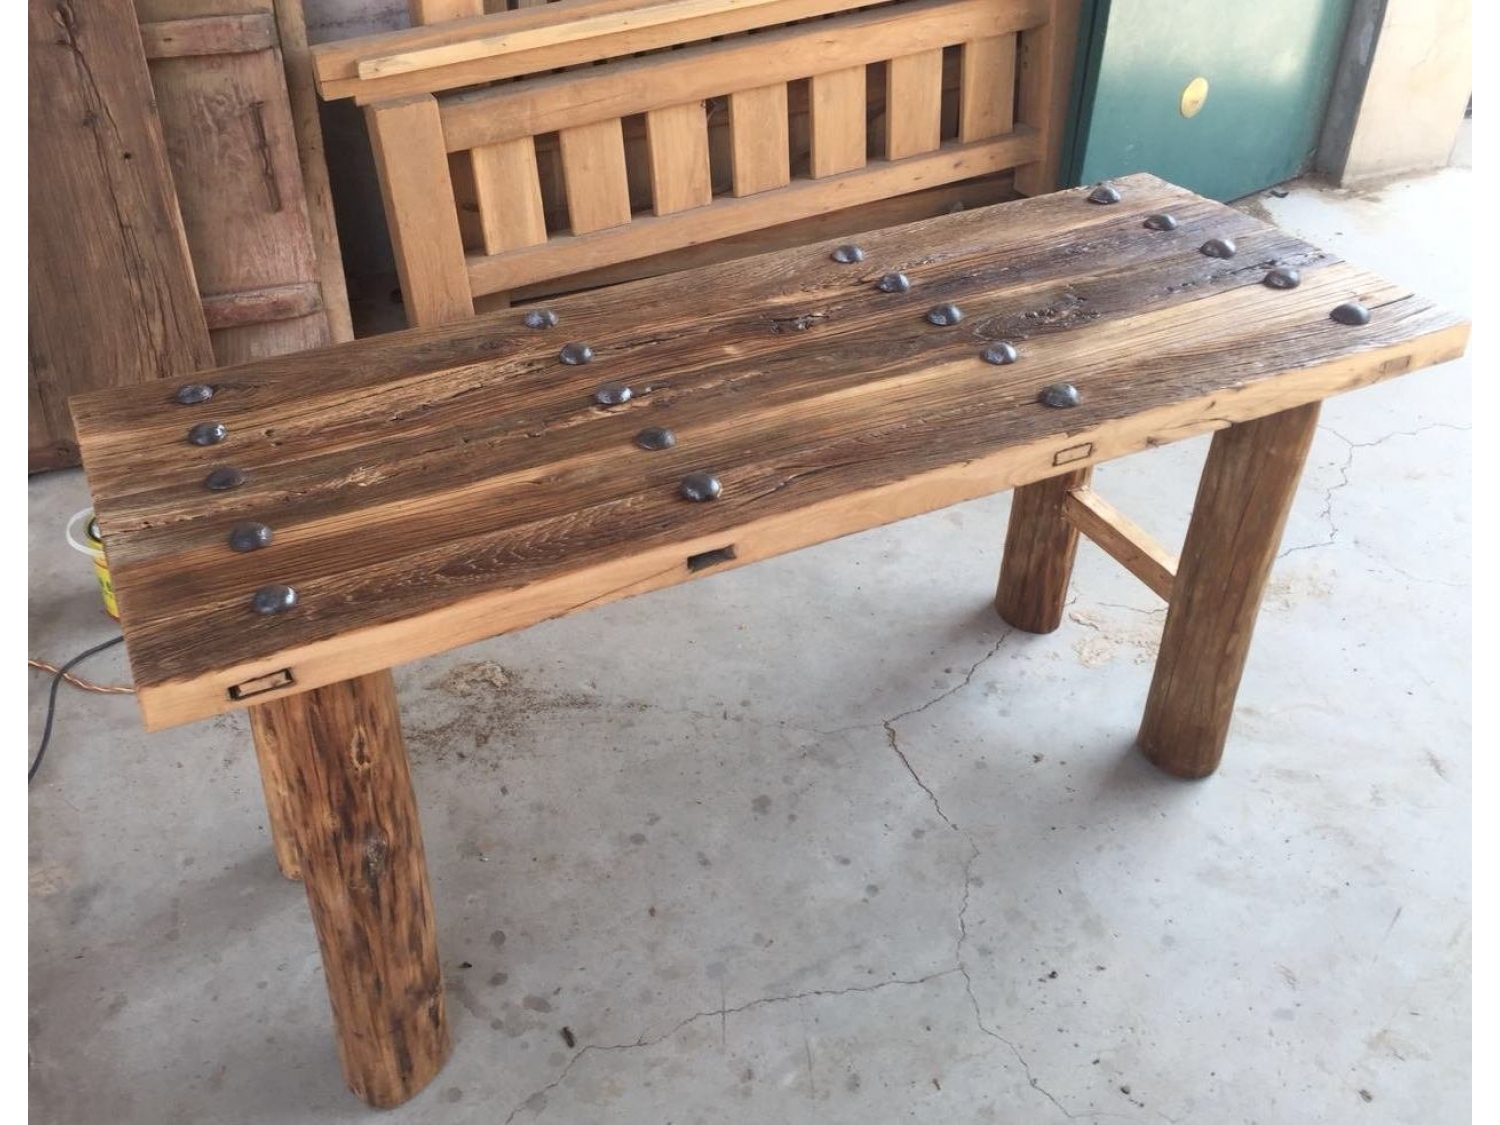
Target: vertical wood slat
[(914, 104), (598, 191), (1042, 94), (678, 140), (760, 155), (987, 86), (406, 135), (837, 112), (509, 194)]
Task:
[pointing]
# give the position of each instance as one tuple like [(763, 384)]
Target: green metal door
[(1221, 96)]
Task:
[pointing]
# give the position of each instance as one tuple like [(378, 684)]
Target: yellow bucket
[(83, 537)]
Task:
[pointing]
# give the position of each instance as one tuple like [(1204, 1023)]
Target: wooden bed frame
[(681, 123)]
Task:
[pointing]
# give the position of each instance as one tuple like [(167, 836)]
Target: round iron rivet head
[(1160, 222), (1060, 395), (612, 394), (1104, 194), (208, 433), (224, 477), (1351, 313), (1218, 248), (540, 318), (575, 355), (944, 315), (249, 536), (273, 599), (1282, 277), (848, 254), (999, 354), (699, 486), (894, 283), (655, 437), (191, 393)]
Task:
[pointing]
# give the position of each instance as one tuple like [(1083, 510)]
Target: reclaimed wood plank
[(112, 299)]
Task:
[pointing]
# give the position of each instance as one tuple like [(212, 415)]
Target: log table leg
[(1243, 499), (279, 808), (354, 823), (1037, 562)]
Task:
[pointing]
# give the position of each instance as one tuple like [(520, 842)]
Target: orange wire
[(79, 681)]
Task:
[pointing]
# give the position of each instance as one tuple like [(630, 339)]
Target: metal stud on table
[(894, 283), (699, 487), (208, 433), (1218, 248), (1105, 194), (1282, 277), (1000, 354), (575, 354), (275, 598), (613, 394), (1162, 221), (1351, 313), (653, 438), (249, 536), (224, 477), (1059, 395), (848, 254), (540, 318), (189, 394), (945, 315)]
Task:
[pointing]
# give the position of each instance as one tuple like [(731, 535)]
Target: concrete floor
[(823, 841)]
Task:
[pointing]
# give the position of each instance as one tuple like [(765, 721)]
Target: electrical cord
[(57, 680), (78, 681)]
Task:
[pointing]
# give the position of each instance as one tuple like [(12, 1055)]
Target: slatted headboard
[(693, 142)]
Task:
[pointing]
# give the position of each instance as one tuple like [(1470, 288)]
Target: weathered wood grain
[(111, 295), (1040, 546), (459, 482), (1244, 497), (354, 821)]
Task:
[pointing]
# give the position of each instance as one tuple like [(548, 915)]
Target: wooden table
[(430, 488)]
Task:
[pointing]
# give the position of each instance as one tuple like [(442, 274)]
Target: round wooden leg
[(1037, 563), (1243, 499), (360, 846)]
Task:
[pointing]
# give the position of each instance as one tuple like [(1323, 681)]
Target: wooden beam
[(337, 63), (296, 61), (546, 35), (651, 234), (420, 209), (1122, 539), (620, 89)]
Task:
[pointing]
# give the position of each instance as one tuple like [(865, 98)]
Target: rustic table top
[(433, 487)]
